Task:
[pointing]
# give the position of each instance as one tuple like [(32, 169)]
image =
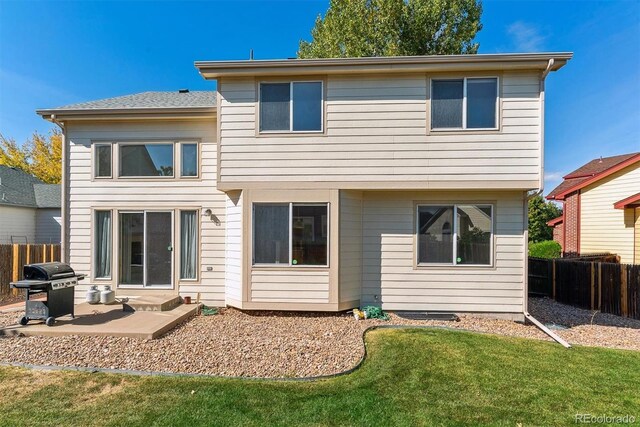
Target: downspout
[(525, 299), (63, 210)]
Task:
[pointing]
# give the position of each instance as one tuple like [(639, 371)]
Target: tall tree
[(540, 212), (357, 28), (40, 155)]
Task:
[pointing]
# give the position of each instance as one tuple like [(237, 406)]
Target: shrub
[(546, 249)]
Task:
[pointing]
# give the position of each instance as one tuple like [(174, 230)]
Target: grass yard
[(411, 377)]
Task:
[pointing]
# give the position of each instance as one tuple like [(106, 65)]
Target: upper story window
[(103, 161), (144, 160), (469, 103), (291, 107)]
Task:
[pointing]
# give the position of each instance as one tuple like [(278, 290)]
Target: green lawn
[(411, 377)]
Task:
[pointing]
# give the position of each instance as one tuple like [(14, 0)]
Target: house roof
[(555, 221), (393, 64), (144, 103), (48, 195), (631, 201), (591, 172), (18, 188)]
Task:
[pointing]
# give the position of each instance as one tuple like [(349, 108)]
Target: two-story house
[(318, 184)]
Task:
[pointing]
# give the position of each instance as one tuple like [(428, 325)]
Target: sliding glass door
[(146, 249)]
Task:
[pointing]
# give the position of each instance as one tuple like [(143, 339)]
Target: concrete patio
[(114, 320)]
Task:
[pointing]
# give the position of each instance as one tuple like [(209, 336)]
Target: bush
[(546, 249)]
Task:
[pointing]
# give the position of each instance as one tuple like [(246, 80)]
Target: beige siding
[(300, 285), (377, 131), (19, 223), (350, 245), (390, 277), (85, 194), (603, 228), (48, 226), (233, 250)]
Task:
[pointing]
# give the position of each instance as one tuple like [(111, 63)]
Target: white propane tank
[(93, 295), (107, 296)]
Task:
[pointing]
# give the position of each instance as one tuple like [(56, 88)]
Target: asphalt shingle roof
[(587, 171), (18, 188), (175, 99)]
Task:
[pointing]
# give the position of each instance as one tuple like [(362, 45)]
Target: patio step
[(152, 303)]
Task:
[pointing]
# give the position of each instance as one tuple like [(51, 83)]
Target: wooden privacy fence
[(603, 286), (14, 257)]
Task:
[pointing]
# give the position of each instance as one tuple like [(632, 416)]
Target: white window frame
[(464, 104), (94, 244), (454, 228), (289, 264), (129, 143), (95, 159), (291, 83)]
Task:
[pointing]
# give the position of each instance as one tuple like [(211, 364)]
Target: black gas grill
[(57, 280)]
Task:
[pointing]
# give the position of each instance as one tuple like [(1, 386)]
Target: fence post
[(553, 278), (593, 286), (44, 253), (624, 310), (51, 253), (15, 266), (28, 260)]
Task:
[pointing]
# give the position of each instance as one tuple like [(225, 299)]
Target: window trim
[(152, 177), (454, 232), (464, 127), (289, 264), (95, 159), (291, 131)]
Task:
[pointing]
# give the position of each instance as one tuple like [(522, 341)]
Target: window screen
[(103, 160), (473, 225), (307, 106), (309, 235), (446, 104), (274, 106), (481, 103), (271, 234), (189, 156)]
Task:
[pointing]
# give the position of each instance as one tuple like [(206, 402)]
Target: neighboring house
[(601, 208), (29, 209), (314, 184)]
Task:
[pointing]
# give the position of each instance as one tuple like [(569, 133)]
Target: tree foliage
[(546, 249), (540, 212), (360, 28), (40, 155)]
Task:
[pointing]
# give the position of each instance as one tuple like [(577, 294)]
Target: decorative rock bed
[(274, 344)]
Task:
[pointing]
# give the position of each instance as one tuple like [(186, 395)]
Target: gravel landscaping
[(270, 344)]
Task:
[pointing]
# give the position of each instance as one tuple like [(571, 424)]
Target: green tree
[(40, 155), (540, 212), (359, 28)]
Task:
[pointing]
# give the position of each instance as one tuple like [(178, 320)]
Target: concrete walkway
[(108, 320)]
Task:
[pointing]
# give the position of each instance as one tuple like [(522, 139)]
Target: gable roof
[(555, 221), (591, 172), (18, 188), (144, 103), (629, 202)]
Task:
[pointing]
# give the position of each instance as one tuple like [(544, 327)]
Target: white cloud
[(526, 37)]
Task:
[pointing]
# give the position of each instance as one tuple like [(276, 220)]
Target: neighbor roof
[(18, 188), (389, 64), (629, 202), (139, 103), (591, 172)]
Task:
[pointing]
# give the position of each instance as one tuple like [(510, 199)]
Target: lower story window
[(189, 245), (455, 234), (103, 245), (290, 233)]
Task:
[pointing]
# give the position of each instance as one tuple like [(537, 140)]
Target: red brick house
[(601, 208)]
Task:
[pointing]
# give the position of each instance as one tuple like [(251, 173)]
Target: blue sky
[(54, 53)]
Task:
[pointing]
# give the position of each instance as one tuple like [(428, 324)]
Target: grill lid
[(47, 271)]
